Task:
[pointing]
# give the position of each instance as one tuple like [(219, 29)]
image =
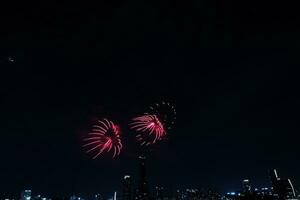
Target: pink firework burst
[(104, 137), (149, 125), (165, 112)]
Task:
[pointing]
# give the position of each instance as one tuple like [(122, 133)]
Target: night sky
[(229, 68)]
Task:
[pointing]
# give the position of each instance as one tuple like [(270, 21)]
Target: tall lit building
[(192, 194), (98, 197), (37, 197), (142, 192), (26, 195), (159, 193), (127, 188), (115, 196), (246, 186), (282, 188), (179, 195)]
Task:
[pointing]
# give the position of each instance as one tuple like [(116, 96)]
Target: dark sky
[(229, 67)]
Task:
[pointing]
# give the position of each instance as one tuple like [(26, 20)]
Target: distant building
[(282, 188), (190, 194), (25, 195), (98, 197), (246, 186), (37, 197), (115, 196), (73, 197), (179, 195), (159, 193), (127, 188), (142, 192), (7, 196)]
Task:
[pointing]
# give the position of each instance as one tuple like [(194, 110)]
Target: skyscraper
[(115, 196), (283, 188), (142, 193), (98, 197), (127, 188), (246, 186), (159, 193)]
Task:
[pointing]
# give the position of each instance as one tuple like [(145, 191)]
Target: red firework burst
[(165, 112), (153, 125), (148, 124), (104, 137)]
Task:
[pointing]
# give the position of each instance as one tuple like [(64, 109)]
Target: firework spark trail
[(148, 124), (165, 112), (104, 137), (153, 124)]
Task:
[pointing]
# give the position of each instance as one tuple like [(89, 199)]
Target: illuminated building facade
[(246, 186), (26, 195), (159, 193), (127, 188), (282, 188), (142, 192)]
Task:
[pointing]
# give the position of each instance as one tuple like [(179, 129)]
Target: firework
[(104, 137), (149, 124), (165, 112), (153, 124)]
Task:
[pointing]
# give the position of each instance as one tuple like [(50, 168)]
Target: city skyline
[(229, 68), (138, 188), (135, 186)]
